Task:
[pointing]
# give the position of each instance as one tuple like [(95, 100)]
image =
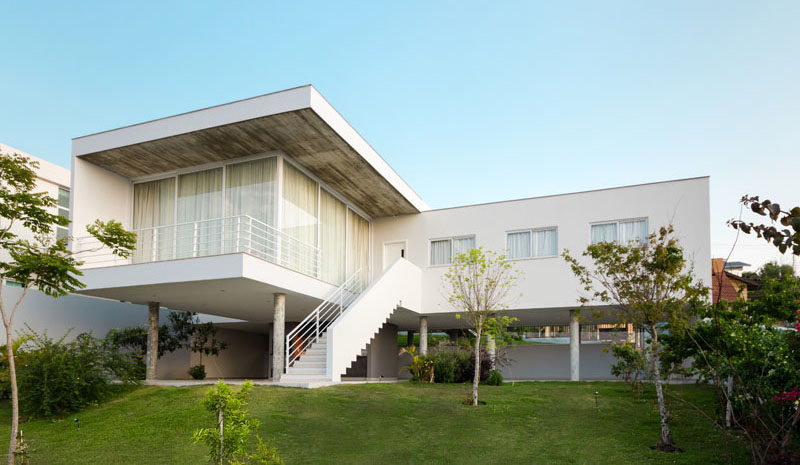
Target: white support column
[(491, 350), (151, 357), (423, 335), (278, 335), (574, 346)]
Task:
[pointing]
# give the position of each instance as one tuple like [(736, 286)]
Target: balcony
[(203, 238)]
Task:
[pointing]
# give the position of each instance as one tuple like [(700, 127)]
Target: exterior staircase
[(322, 346)]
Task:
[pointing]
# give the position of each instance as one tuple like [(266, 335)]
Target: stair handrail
[(309, 330)]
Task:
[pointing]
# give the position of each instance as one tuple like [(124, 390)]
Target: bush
[(198, 372), (59, 377), (457, 366), (631, 365), (494, 378)]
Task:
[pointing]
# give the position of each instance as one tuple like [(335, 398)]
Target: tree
[(479, 283), (42, 263), (171, 337), (784, 239), (204, 341), (649, 283), (228, 440), (743, 342)]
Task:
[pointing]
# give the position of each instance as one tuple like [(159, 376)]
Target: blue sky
[(469, 101)]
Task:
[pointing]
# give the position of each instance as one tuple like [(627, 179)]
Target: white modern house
[(274, 211)]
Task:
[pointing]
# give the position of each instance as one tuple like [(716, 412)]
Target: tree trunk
[(476, 379), (221, 437), (665, 443), (12, 372)]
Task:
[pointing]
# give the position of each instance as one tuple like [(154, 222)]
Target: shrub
[(198, 372), (494, 378), (421, 368), (631, 364), (457, 366), (58, 377)]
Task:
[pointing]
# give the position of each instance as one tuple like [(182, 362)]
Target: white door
[(392, 250)]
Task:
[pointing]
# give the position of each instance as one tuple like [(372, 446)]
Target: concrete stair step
[(309, 364), (288, 377), (296, 370)]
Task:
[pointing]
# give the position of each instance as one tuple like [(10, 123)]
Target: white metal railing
[(308, 331), (202, 238)]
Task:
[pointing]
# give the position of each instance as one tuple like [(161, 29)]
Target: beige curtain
[(250, 190), (199, 199), (333, 219), (299, 220), (357, 245), (153, 206)]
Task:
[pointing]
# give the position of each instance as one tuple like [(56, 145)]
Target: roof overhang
[(298, 122)]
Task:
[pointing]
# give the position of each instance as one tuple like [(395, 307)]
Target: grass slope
[(400, 423)]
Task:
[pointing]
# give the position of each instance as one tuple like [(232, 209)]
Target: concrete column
[(151, 357), (410, 339), (491, 350), (574, 346), (278, 335), (423, 335)]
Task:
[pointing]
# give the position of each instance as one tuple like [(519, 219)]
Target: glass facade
[(289, 219)]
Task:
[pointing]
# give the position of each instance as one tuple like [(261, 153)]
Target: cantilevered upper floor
[(281, 177)]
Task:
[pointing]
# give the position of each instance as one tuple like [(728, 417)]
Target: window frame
[(450, 239), (532, 231), (63, 229), (617, 222)]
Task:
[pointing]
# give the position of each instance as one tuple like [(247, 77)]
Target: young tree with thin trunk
[(649, 284), (42, 263), (479, 284)]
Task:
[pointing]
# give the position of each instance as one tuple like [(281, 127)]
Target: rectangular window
[(519, 244), (532, 243), (463, 245), (624, 231), (545, 242), (444, 250), (62, 232), (441, 252), (632, 230)]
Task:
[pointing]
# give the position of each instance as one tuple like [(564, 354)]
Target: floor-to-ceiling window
[(199, 213), (154, 206), (239, 207), (299, 221), (357, 245), (250, 206), (333, 229)]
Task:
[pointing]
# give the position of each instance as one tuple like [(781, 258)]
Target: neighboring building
[(74, 313), (274, 211), (727, 281)]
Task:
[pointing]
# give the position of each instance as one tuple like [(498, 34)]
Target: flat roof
[(297, 121)]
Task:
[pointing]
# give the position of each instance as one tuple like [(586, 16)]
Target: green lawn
[(400, 423)]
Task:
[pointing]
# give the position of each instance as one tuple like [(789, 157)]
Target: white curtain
[(545, 243), (199, 199), (153, 206), (357, 245), (632, 230), (250, 190), (441, 252), (463, 244), (299, 220), (519, 244), (333, 226), (605, 232)]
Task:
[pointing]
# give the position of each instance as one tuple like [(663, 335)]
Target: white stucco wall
[(98, 194), (548, 282), (77, 313)]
